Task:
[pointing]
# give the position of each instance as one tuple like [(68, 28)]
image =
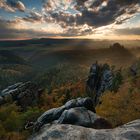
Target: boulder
[(62, 114), (78, 116), (129, 131), (80, 102)]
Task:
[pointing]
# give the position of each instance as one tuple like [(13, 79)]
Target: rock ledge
[(129, 131)]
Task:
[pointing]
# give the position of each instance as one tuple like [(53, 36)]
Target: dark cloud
[(75, 17), (97, 13), (33, 17), (128, 31), (77, 31), (8, 32), (12, 5), (127, 2)]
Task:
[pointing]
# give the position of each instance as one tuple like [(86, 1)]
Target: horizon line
[(68, 38)]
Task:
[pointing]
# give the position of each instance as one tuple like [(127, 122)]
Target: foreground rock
[(78, 111), (81, 116), (25, 94), (129, 131)]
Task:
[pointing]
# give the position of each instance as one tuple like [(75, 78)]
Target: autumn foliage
[(119, 106)]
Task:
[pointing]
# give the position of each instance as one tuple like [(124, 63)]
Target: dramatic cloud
[(20, 6), (21, 29), (12, 5), (94, 13), (33, 17), (69, 18)]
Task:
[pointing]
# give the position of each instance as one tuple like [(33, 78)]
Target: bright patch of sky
[(133, 22)]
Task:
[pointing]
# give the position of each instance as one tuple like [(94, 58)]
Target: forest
[(61, 72)]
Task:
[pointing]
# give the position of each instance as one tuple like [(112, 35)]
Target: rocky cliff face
[(100, 79), (129, 131), (25, 94)]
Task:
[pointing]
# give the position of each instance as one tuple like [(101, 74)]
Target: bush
[(121, 107), (117, 81), (12, 121)]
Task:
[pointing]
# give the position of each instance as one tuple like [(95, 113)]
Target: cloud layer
[(74, 17), (91, 12), (128, 31)]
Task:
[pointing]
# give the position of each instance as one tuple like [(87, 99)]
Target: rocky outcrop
[(100, 79), (74, 111), (25, 94), (81, 116), (77, 121), (129, 131)]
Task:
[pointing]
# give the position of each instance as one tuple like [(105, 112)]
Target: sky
[(93, 19)]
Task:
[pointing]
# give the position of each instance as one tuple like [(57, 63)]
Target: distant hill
[(118, 57), (72, 42), (34, 59), (9, 57)]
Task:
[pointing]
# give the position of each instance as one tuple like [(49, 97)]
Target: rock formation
[(100, 79), (81, 116), (77, 118), (129, 131), (76, 121), (25, 94), (82, 107)]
